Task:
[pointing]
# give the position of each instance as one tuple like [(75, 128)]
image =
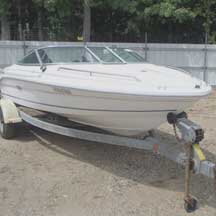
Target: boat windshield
[(128, 55), (106, 54), (66, 55), (79, 54)]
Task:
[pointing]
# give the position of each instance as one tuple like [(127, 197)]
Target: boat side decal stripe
[(77, 108)]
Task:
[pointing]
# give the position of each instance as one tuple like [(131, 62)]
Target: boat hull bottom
[(119, 120), (125, 124)]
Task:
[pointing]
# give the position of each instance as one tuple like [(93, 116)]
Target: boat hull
[(123, 114)]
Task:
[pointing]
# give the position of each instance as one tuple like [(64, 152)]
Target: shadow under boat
[(136, 165)]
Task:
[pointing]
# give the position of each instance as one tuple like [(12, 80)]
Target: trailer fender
[(9, 112)]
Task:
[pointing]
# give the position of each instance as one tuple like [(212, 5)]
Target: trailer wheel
[(7, 131)]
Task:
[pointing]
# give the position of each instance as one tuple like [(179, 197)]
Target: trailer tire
[(7, 131)]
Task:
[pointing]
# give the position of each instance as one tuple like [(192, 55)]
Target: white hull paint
[(124, 114)]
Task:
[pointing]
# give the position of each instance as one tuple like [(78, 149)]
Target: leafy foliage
[(117, 20), (4, 6)]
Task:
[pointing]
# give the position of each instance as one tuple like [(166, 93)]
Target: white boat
[(113, 89)]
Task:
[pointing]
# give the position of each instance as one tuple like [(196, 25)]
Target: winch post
[(187, 171), (190, 202), (191, 135)]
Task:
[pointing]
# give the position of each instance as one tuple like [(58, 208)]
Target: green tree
[(164, 12), (4, 14), (206, 10), (86, 20)]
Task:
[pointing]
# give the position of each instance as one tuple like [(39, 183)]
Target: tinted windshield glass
[(76, 54), (30, 59), (128, 55), (66, 55), (105, 55)]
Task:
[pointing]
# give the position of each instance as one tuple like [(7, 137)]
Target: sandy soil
[(43, 174)]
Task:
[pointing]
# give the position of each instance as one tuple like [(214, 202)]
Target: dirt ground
[(44, 174)]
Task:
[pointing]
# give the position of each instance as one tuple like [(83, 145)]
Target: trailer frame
[(186, 151)]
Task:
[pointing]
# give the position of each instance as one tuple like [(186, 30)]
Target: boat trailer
[(186, 151)]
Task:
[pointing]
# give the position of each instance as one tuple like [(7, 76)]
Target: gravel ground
[(44, 174)]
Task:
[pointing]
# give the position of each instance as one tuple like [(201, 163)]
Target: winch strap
[(199, 152)]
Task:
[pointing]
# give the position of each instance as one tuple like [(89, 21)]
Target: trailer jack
[(191, 135)]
